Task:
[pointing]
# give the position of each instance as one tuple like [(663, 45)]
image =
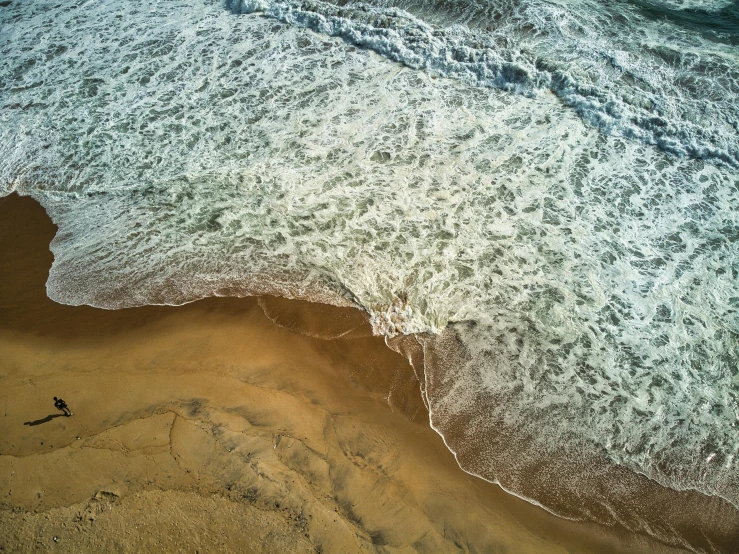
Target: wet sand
[(229, 425)]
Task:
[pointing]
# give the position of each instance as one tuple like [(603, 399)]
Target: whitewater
[(537, 200)]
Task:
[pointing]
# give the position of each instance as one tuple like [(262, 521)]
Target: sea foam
[(656, 93)]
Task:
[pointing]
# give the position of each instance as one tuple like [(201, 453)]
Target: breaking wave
[(659, 94)]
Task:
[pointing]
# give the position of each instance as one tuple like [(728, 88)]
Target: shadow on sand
[(44, 420)]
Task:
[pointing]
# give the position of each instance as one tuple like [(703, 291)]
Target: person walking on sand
[(60, 404)]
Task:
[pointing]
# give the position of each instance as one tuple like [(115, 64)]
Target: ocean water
[(541, 196)]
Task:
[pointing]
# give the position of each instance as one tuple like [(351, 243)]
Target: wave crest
[(650, 110)]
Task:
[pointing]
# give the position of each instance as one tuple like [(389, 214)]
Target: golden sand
[(229, 425)]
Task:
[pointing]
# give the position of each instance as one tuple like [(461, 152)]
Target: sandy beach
[(229, 425)]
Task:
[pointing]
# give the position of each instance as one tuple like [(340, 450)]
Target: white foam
[(651, 84)]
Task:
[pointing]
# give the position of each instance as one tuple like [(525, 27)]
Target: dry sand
[(209, 428)]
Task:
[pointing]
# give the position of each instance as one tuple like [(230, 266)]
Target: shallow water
[(284, 404), (552, 184)]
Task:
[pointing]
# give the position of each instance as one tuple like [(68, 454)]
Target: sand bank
[(209, 427)]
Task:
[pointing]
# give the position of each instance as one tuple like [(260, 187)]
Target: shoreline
[(288, 414)]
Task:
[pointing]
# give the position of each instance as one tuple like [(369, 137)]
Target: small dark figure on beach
[(60, 404)]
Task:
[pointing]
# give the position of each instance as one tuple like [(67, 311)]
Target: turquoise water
[(550, 190)]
